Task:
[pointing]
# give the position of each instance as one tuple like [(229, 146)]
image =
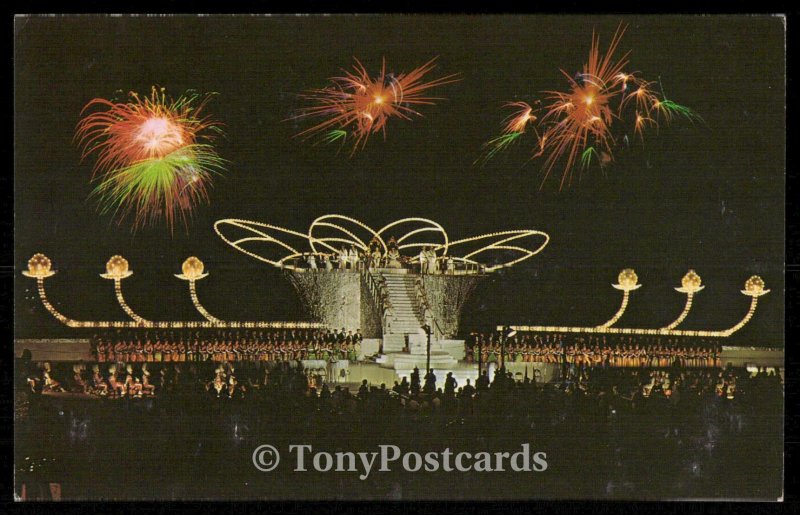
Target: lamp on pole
[(427, 330)]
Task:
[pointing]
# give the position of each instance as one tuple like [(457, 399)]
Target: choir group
[(592, 351), (287, 345)]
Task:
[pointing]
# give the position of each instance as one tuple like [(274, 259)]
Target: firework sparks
[(515, 125), (583, 124), (153, 155), (356, 105)]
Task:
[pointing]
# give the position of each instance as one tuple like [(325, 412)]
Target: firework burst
[(355, 105), (153, 155), (584, 124)]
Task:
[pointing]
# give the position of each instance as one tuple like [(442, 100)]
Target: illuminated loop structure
[(330, 232), (690, 285), (392, 303), (40, 268)]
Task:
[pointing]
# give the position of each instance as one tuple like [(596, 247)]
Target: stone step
[(393, 342), (407, 320), (407, 317), (405, 363)]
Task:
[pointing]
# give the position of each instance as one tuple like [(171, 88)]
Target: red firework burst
[(356, 105), (583, 124), (153, 156)]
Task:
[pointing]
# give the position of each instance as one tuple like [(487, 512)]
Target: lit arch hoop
[(346, 231), (323, 222), (504, 237), (427, 226), (259, 233)]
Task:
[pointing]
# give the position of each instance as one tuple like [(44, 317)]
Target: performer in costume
[(98, 383)]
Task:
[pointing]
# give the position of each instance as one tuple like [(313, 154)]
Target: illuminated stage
[(404, 292), (79, 350)]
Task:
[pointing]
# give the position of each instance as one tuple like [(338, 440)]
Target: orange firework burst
[(584, 123), (153, 154), (355, 105)]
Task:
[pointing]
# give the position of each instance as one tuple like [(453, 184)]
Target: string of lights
[(40, 268), (259, 232), (691, 284)]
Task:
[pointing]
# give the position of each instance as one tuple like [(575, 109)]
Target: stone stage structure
[(401, 285)]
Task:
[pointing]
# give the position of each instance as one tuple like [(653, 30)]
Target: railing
[(451, 265), (445, 265), (425, 307), (378, 292)]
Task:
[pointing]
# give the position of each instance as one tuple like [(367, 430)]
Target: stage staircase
[(407, 318), (405, 329)]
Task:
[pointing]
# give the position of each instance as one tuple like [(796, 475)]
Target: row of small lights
[(117, 268), (515, 234), (690, 284)]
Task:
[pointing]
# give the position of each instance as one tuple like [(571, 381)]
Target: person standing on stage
[(415, 383), (312, 262), (451, 265)]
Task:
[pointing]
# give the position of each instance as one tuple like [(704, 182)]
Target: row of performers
[(617, 356), (224, 351), (605, 340), (116, 384), (286, 335)]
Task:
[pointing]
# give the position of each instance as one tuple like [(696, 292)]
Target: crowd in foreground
[(593, 350), (610, 433)]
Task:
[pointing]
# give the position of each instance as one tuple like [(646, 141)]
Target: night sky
[(704, 197)]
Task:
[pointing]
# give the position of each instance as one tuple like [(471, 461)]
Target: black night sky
[(704, 197)]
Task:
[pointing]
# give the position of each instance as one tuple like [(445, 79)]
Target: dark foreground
[(608, 433)]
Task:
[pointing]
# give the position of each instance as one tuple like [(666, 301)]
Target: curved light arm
[(53, 311), (124, 305), (745, 319), (139, 322), (198, 306), (686, 308), (641, 331), (625, 296)]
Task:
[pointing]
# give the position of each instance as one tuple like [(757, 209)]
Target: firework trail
[(154, 155), (355, 105), (583, 125)]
